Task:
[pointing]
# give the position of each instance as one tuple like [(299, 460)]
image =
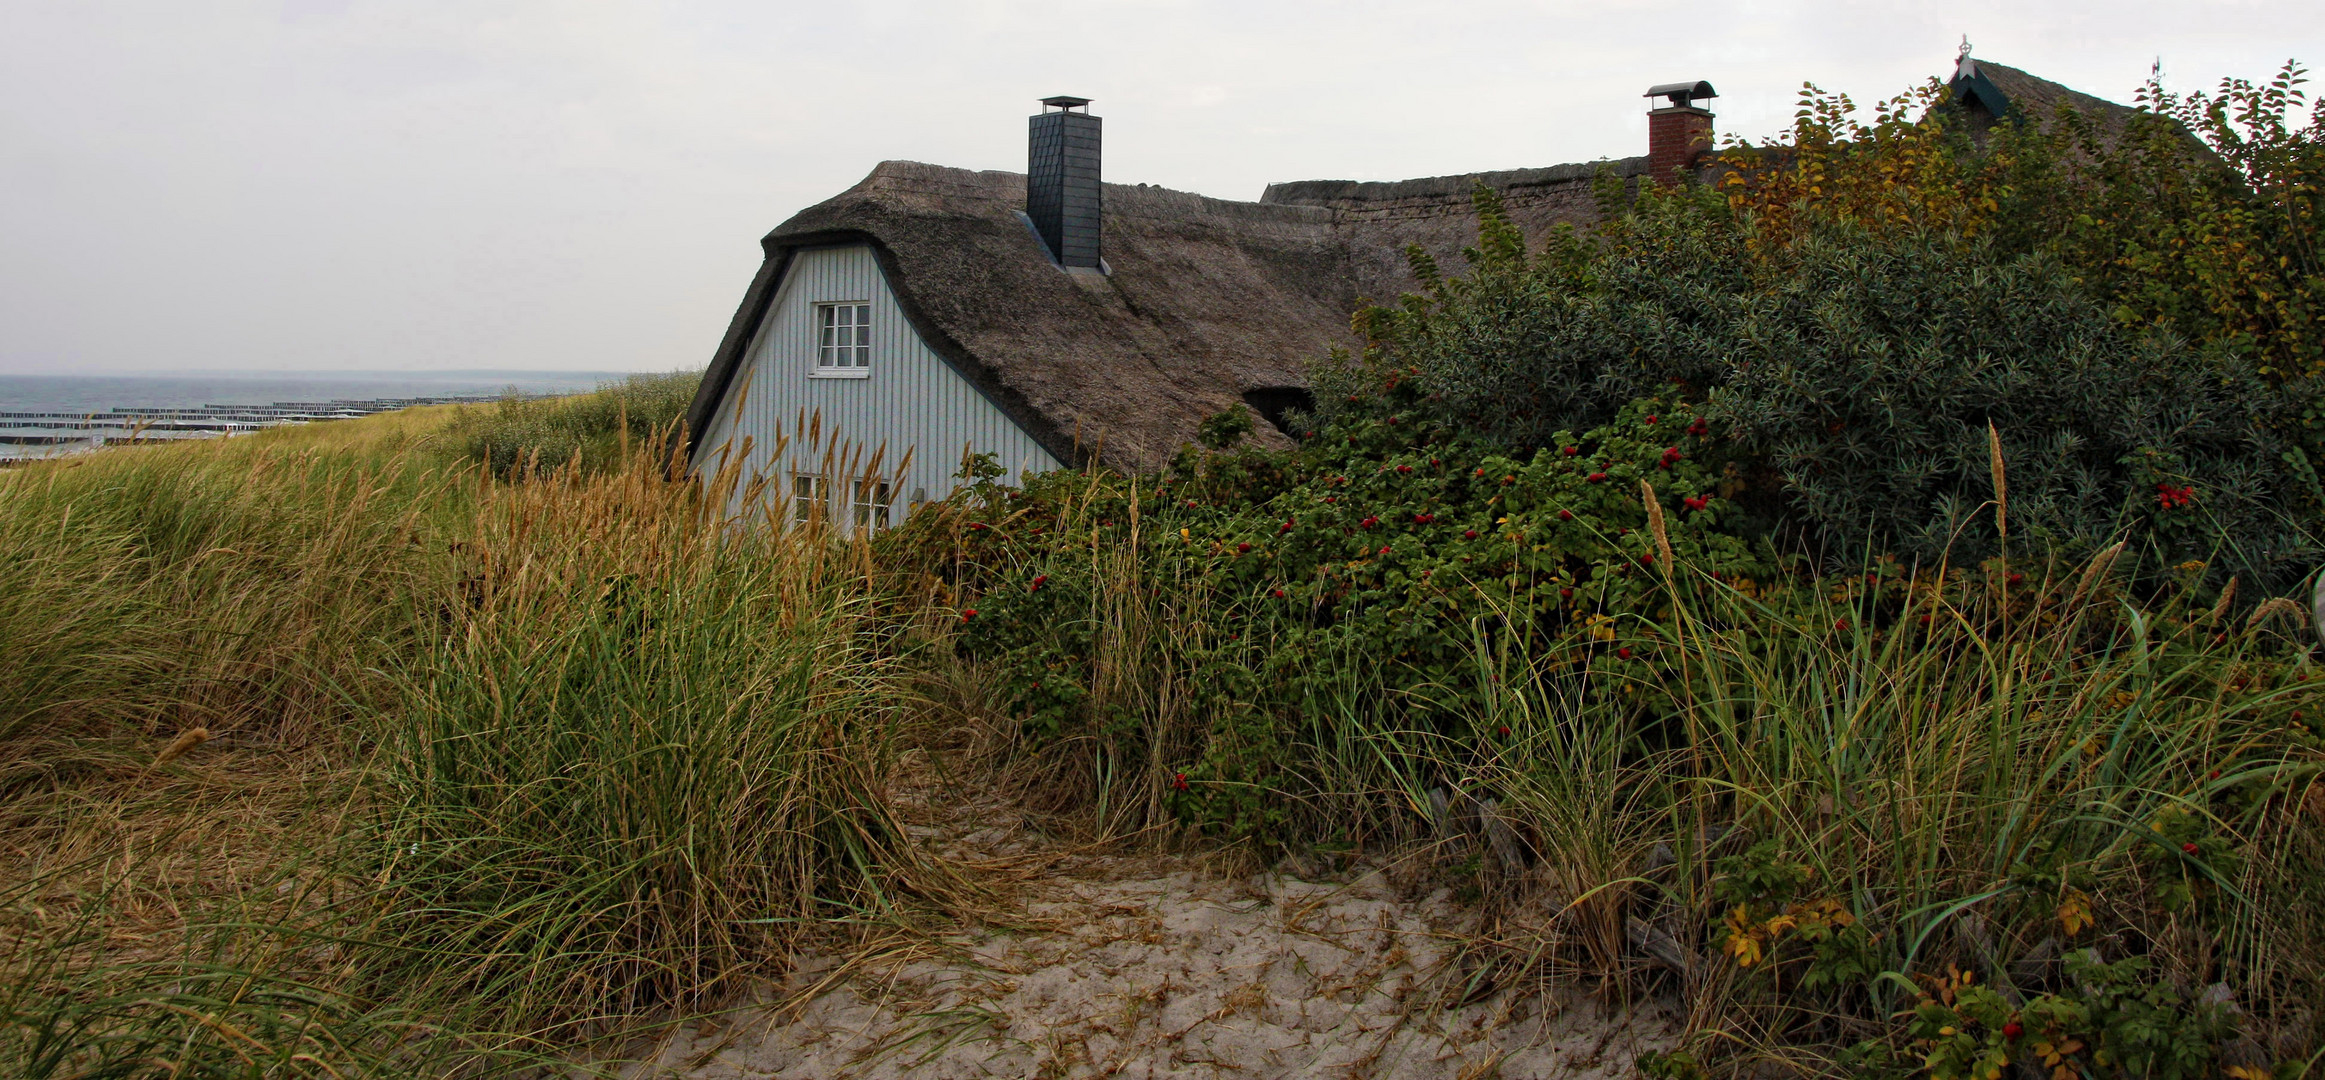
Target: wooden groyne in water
[(32, 436)]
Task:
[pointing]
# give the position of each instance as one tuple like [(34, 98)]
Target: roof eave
[(779, 247)]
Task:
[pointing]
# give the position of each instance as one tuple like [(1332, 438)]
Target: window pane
[(863, 315)]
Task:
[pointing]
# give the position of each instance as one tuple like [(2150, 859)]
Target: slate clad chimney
[(1678, 131), (1061, 180)]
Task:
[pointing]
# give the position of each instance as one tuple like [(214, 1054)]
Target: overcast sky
[(332, 185)]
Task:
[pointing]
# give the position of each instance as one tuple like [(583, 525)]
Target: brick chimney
[(1678, 131), (1061, 180)]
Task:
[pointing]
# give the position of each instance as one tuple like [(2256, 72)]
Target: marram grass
[(485, 769)]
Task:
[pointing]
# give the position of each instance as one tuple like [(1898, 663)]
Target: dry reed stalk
[(2277, 606), (2001, 489), (1655, 526), (2227, 597), (186, 740), (2096, 572)]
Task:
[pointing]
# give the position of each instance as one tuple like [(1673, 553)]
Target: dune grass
[(593, 430), (329, 752), (326, 753)]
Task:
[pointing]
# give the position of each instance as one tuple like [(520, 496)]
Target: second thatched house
[(1047, 319)]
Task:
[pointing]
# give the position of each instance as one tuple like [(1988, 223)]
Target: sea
[(82, 395), (99, 393)]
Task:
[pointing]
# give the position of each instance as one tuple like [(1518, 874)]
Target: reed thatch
[(1992, 92), (1205, 300)]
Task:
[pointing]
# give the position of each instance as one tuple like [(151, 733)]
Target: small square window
[(843, 337), (810, 500), (871, 504)]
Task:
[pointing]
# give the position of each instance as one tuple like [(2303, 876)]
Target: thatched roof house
[(1048, 319)]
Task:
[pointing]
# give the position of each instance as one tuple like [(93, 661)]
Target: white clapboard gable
[(846, 423)]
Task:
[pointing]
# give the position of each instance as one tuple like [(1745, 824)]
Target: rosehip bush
[(1856, 372), (1383, 552)]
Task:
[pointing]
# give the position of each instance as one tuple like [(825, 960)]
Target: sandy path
[(1150, 966)]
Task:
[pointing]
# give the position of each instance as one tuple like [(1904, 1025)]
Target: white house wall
[(910, 400)]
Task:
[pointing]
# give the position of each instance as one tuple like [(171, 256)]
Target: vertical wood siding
[(911, 401)]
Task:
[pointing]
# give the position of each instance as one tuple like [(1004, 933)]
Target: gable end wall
[(911, 400)]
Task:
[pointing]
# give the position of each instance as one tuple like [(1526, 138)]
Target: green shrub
[(1857, 375)]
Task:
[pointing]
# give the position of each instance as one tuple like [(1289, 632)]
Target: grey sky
[(326, 185)]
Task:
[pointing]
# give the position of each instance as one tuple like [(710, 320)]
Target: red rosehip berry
[(2213, 775), (1572, 450), (1624, 652), (1566, 594), (1279, 594), (1241, 548), (1287, 527), (1179, 781), (1502, 730), (1469, 534), (2013, 1030), (1384, 550), (1648, 559), (1597, 477), (1038, 582), (2189, 847), (1404, 468), (968, 613), (1368, 523), (1423, 519), (1566, 515), (1650, 418)]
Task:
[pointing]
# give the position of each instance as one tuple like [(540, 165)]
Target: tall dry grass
[(323, 756), (645, 754)]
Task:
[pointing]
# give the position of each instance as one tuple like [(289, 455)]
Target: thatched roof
[(1206, 299), (1378, 220), (1997, 91)]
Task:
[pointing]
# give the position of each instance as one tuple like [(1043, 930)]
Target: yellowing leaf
[(2074, 911)]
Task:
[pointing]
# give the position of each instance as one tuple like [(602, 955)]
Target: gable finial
[(1964, 54)]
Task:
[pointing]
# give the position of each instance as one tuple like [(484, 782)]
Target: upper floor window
[(843, 339)]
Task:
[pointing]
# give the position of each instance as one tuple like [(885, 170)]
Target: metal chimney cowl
[(1062, 196)]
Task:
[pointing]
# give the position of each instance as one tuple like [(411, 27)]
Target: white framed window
[(843, 339), (810, 499), (871, 504)]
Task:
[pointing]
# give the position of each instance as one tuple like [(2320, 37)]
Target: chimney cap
[(1065, 103), (1682, 94)]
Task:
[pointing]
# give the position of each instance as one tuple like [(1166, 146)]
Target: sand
[(1155, 965)]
